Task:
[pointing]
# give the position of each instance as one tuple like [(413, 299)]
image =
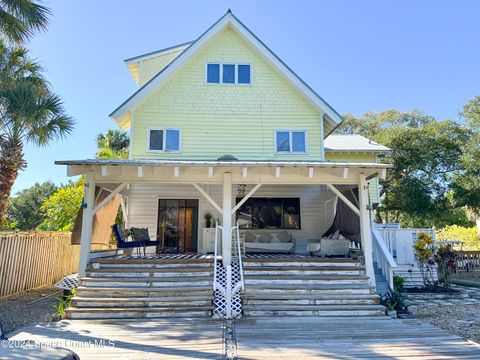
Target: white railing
[(216, 284), (241, 284), (383, 257), (399, 242)]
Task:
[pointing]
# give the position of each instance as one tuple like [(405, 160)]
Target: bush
[(398, 282), (469, 236), (424, 251), (445, 258)]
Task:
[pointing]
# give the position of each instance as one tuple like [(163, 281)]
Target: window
[(269, 213), (229, 74), (244, 74), (213, 73), (291, 141), (163, 139)]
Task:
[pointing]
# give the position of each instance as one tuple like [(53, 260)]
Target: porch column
[(365, 229), (227, 219), (87, 222)]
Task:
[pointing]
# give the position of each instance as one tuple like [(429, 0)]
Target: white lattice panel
[(219, 301)]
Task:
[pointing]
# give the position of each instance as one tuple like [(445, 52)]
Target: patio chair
[(141, 234), (122, 242)]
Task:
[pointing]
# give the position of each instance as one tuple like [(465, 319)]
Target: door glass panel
[(177, 225)]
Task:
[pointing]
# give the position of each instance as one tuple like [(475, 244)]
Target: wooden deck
[(261, 338)]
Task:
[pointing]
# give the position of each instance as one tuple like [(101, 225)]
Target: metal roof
[(352, 143), (156, 52), (236, 163)]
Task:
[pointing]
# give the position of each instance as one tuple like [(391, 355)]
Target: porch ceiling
[(211, 171)]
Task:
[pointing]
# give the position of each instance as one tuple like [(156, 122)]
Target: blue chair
[(122, 242)]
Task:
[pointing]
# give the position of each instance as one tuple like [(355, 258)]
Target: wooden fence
[(467, 266), (34, 259)]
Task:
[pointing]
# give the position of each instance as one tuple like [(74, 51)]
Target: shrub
[(398, 282), (393, 300), (424, 251), (469, 236), (445, 258)]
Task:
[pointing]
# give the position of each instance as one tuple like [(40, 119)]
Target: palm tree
[(19, 19), (113, 145), (29, 113)]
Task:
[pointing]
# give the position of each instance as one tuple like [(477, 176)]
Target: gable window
[(163, 139), (269, 213), (213, 73), (228, 73), (291, 141)]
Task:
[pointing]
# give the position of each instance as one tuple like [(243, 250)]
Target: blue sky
[(358, 55)]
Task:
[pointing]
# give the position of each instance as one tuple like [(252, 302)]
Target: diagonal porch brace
[(344, 199), (109, 197), (206, 196), (241, 202)]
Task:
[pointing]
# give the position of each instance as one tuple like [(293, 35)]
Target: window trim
[(164, 140), (300, 207), (236, 83), (290, 131)]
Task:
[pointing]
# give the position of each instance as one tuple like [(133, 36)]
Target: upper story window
[(291, 141), (163, 140), (229, 73)]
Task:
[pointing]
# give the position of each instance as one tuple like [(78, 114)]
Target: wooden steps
[(144, 288), (318, 287)]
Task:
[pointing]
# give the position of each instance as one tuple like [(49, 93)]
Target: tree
[(426, 157), (467, 183), (60, 209), (29, 113), (19, 19), (114, 144), (24, 209)]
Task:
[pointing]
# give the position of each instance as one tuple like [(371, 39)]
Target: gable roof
[(121, 114), (352, 143), (156, 53)]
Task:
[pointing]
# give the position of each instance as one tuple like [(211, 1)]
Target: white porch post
[(227, 219), (87, 222), (365, 229)]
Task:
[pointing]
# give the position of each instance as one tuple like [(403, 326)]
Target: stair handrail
[(216, 285), (241, 284), (383, 257)]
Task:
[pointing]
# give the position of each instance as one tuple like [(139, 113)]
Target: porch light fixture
[(241, 190)]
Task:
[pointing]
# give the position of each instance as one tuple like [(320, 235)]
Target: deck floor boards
[(258, 338)]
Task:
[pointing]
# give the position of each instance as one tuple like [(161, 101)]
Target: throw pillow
[(249, 237), (265, 238), (140, 234), (284, 237)]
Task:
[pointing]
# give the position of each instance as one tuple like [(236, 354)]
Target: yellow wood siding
[(373, 184), (226, 119), (150, 67)]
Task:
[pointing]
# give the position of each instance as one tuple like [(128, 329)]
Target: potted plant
[(208, 219)]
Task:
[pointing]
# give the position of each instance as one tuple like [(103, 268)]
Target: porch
[(297, 198)]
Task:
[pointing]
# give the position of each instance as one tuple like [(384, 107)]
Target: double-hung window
[(291, 141), (218, 73), (164, 139)]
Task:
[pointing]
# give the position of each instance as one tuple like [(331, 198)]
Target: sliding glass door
[(178, 225)]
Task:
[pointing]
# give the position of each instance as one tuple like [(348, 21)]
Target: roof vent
[(227, 158)]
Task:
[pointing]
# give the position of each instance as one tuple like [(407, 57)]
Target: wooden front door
[(178, 225)]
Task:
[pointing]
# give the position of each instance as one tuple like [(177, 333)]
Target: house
[(222, 125)]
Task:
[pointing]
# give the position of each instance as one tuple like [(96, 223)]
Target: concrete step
[(139, 313), (149, 263), (146, 282), (307, 299), (125, 291), (313, 310), (304, 279), (142, 273), (138, 302), (305, 270), (301, 263), (314, 289)]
